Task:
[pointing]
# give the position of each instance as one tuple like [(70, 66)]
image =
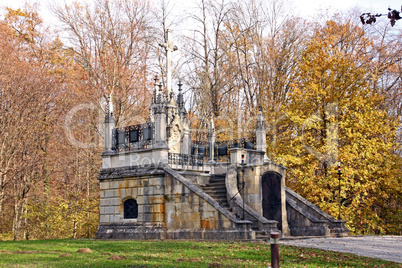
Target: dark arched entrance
[(130, 209), (271, 197)]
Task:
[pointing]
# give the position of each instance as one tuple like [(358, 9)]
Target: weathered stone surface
[(185, 207), (109, 193), (130, 171), (149, 232), (180, 209), (305, 219)]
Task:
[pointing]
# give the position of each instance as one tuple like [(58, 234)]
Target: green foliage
[(170, 254), (59, 218)]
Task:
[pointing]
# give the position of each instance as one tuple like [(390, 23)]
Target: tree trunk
[(16, 222), (75, 226)]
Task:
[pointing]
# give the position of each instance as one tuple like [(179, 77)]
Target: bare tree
[(111, 43)]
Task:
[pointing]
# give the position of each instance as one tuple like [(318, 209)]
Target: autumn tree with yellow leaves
[(330, 93), (334, 114)]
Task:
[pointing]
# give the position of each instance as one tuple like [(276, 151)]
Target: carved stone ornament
[(175, 137)]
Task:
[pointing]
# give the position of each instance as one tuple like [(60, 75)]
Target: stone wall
[(169, 207), (147, 191), (305, 219), (253, 187), (186, 210)]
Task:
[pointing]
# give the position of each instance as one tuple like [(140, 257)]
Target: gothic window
[(249, 145), (134, 136), (222, 150), (147, 132), (202, 150), (130, 209), (121, 137)]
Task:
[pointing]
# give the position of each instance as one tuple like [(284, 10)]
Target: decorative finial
[(211, 124), (180, 100), (156, 79), (110, 104), (180, 84), (260, 119)]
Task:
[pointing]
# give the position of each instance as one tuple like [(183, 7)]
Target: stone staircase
[(261, 236), (216, 189)]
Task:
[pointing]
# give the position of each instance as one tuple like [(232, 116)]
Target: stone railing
[(134, 137)]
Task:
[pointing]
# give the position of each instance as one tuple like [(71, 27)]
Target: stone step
[(220, 188), (217, 184), (262, 239), (218, 176), (265, 237), (219, 192), (216, 188), (217, 180)]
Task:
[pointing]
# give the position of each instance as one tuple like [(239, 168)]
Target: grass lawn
[(64, 253)]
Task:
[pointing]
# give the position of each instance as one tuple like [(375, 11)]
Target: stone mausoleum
[(156, 183)]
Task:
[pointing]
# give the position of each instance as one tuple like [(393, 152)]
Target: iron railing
[(134, 137), (221, 148), (186, 160)]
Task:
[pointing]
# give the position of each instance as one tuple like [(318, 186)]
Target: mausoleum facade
[(156, 183)]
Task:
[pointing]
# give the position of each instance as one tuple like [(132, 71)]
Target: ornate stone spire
[(169, 47), (180, 100), (156, 79), (261, 138), (109, 110), (211, 128), (211, 140), (160, 94), (260, 120), (109, 125)]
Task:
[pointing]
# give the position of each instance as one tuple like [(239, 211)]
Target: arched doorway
[(271, 197)]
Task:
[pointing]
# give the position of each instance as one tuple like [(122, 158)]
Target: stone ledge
[(138, 231), (134, 171)]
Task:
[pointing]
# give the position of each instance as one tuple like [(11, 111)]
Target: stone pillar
[(261, 138), (159, 112), (235, 156), (110, 125), (211, 140), (186, 145), (160, 124)]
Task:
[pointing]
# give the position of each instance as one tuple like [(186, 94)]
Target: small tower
[(180, 102), (110, 125), (261, 138), (159, 112), (211, 140)]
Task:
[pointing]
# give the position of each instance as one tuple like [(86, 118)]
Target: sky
[(304, 8)]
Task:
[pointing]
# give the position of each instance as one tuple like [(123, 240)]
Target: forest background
[(329, 88)]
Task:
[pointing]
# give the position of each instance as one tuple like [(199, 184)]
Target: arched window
[(130, 209)]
